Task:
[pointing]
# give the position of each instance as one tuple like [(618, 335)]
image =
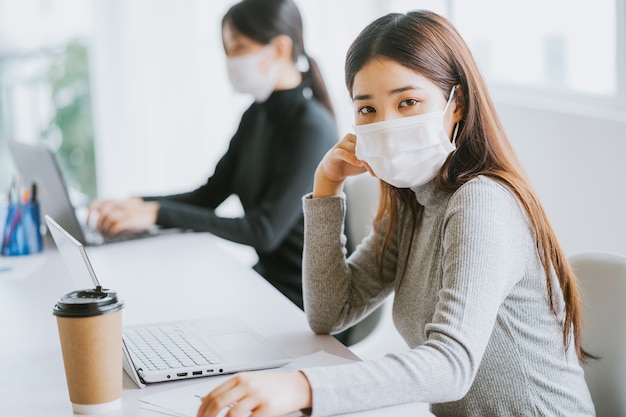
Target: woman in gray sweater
[(484, 295)]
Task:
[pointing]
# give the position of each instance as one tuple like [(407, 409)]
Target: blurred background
[(134, 98)]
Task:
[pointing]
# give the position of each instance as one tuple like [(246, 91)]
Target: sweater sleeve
[(338, 291), (485, 242)]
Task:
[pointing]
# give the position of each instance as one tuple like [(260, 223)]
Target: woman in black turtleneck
[(271, 158)]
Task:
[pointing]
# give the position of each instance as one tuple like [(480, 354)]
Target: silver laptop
[(176, 350), (37, 164)]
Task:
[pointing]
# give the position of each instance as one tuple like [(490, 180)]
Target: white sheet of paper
[(184, 402)]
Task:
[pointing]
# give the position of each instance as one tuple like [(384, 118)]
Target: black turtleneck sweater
[(269, 165)]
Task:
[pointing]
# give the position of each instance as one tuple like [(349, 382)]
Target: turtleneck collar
[(428, 194), (282, 101)]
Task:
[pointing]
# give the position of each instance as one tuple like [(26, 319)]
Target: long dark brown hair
[(430, 45), (263, 20)]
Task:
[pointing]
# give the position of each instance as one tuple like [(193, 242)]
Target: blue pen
[(12, 192), (15, 222), (8, 220)]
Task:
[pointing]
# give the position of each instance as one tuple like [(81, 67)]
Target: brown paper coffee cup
[(90, 331)]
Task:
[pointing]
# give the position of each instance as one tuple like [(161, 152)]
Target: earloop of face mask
[(396, 149)]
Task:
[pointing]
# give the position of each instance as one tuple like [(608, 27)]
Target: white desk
[(160, 279)]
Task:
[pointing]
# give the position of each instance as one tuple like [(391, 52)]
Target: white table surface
[(163, 278)]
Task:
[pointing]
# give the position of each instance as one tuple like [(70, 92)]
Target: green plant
[(68, 77)]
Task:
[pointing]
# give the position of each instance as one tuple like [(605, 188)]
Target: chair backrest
[(602, 278), (362, 193)]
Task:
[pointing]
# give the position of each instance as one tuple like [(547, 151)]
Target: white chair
[(602, 278), (362, 195), (361, 203)]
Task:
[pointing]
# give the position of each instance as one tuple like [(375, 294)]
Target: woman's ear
[(284, 46)]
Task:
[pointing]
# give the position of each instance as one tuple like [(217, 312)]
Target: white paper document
[(184, 402)]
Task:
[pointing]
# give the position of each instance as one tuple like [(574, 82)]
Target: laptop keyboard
[(95, 238), (167, 347)]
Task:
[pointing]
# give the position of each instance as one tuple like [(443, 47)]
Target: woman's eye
[(366, 110), (408, 102)]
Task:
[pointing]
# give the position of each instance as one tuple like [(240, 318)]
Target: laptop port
[(196, 373), (182, 374)]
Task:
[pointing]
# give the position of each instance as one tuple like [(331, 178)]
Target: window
[(45, 89), (567, 51)]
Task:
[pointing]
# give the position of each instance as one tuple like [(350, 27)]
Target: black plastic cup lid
[(85, 303)]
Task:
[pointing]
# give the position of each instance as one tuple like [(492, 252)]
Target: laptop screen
[(73, 253), (38, 165)]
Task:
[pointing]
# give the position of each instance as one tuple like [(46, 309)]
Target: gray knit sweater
[(470, 301)]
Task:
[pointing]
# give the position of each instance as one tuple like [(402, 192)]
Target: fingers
[(348, 143), (350, 147), (369, 169), (244, 406), (225, 395), (134, 214), (114, 216), (341, 160), (339, 163), (348, 156), (93, 213), (94, 209), (109, 216), (261, 394)]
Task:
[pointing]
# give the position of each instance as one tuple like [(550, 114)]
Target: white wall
[(164, 110), (576, 164)]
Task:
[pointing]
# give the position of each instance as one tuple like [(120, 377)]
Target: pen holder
[(22, 230)]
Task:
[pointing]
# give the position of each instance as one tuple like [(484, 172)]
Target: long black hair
[(263, 20)]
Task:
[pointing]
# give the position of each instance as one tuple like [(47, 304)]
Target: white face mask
[(246, 76), (405, 152)]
